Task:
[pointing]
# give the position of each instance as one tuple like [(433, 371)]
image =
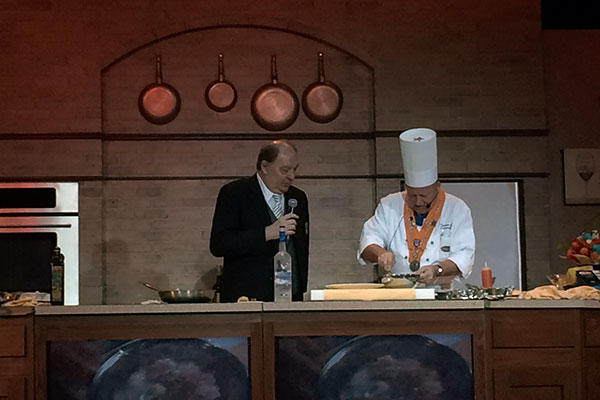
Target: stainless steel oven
[(34, 218)]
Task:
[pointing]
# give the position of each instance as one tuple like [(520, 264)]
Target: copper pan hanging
[(220, 95), (274, 105), (322, 100), (159, 103)]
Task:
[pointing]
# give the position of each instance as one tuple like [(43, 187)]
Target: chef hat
[(419, 156)]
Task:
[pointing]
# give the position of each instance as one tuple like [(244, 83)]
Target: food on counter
[(558, 280), (552, 292), (25, 302), (474, 292), (585, 248), (24, 299)]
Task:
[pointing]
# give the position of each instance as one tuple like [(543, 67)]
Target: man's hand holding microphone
[(287, 220)]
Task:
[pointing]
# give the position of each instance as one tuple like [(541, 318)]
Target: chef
[(422, 230)]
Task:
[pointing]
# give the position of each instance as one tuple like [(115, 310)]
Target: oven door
[(39, 197), (26, 243)]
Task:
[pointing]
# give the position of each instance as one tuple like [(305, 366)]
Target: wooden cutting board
[(373, 294)]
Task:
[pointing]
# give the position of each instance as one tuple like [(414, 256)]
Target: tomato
[(585, 251), (576, 244), (594, 256), (570, 255)]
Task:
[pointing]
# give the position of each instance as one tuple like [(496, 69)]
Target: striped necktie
[(277, 208)]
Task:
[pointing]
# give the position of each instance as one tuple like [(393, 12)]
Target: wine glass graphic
[(584, 164)]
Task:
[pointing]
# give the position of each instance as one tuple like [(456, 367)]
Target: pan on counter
[(159, 103), (180, 295), (274, 106)]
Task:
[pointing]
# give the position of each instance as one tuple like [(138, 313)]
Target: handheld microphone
[(292, 203)]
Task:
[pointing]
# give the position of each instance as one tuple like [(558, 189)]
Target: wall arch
[(189, 64)]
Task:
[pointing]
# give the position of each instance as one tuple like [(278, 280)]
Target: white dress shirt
[(270, 196)]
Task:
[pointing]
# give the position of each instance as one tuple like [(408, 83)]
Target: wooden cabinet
[(300, 350), (16, 354), (536, 354), (517, 353), (71, 349), (13, 388), (591, 353)]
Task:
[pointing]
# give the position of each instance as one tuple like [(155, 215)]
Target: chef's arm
[(377, 254), (440, 273), (449, 268)]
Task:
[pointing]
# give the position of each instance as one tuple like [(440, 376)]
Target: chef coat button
[(427, 259), (405, 257), (431, 242)]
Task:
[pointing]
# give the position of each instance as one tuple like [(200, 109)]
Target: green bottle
[(57, 268)]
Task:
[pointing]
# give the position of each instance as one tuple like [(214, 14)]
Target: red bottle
[(486, 277)]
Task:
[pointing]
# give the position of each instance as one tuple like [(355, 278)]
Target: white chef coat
[(454, 229)]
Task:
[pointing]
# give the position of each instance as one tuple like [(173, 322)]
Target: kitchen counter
[(257, 306), (519, 347), (311, 306), (15, 311)]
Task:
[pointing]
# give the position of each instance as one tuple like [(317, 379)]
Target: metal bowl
[(399, 280), (184, 296)]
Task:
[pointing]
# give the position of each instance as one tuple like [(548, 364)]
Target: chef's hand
[(386, 260), (287, 220), (427, 274)]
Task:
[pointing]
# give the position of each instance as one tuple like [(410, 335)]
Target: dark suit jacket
[(238, 235)]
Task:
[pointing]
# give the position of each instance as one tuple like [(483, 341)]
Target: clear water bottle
[(282, 266)]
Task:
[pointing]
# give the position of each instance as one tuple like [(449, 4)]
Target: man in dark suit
[(245, 228)]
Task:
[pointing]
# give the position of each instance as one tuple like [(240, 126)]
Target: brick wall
[(464, 67), (450, 64), (573, 88)]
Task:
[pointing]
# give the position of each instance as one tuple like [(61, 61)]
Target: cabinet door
[(12, 388), (591, 370), (532, 374), (521, 383), (16, 355)]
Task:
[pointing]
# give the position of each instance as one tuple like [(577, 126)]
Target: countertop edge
[(196, 308), (550, 303), (383, 305), (306, 306)]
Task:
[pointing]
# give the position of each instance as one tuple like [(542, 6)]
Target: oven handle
[(36, 226)]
